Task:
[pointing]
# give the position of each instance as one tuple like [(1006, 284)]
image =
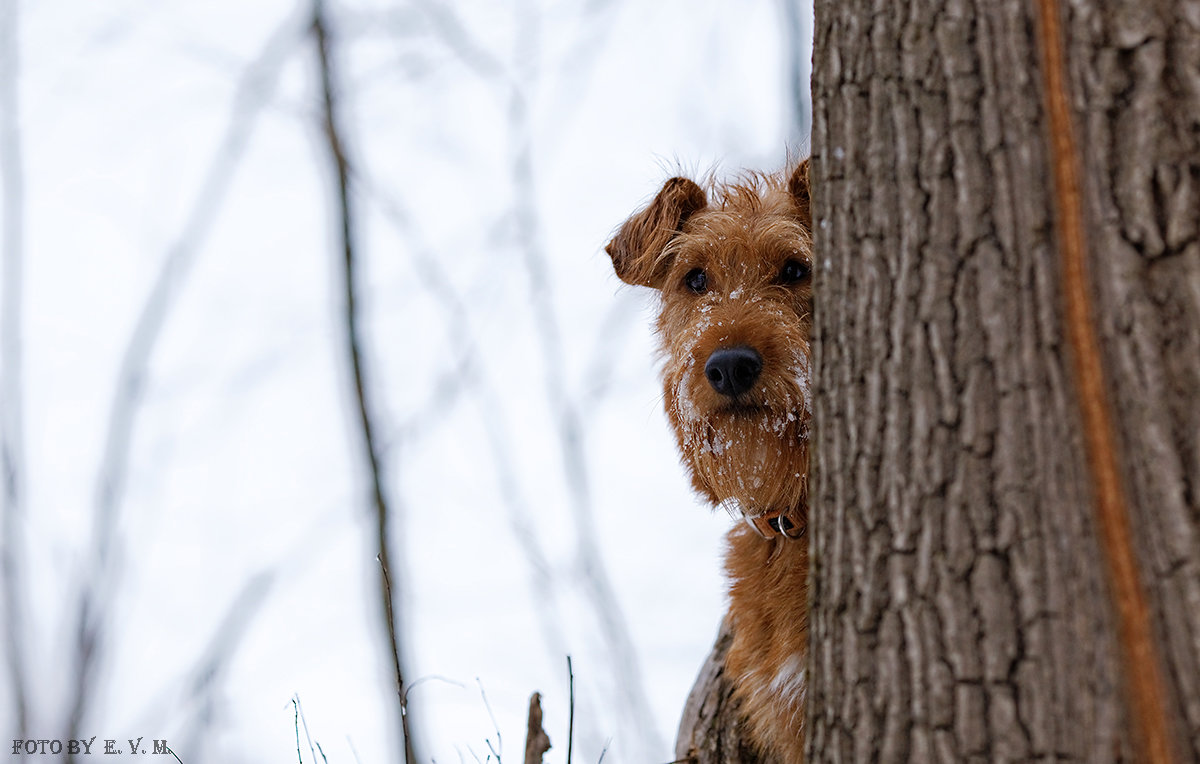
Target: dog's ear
[(798, 186), (637, 249)]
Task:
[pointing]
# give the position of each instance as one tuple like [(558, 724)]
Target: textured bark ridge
[(963, 603), (1135, 75), (710, 731)]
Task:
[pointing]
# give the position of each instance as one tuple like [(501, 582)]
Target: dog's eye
[(696, 280), (794, 271)]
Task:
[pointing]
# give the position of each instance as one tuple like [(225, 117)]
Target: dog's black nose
[(732, 371)]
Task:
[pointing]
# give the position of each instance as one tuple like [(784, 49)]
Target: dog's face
[(735, 320)]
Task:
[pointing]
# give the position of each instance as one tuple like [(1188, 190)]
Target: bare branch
[(206, 674), (518, 81), (255, 88), (354, 340), (592, 570), (12, 441), (798, 30), (595, 25), (500, 439), (474, 54), (610, 338)]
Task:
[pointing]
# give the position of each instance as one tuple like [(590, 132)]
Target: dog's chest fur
[(768, 607)]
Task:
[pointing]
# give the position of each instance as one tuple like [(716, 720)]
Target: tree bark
[(537, 742), (1006, 528), (710, 731)]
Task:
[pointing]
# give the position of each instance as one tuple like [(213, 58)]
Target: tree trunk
[(1006, 529)]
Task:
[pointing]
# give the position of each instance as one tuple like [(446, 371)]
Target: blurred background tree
[(190, 525)]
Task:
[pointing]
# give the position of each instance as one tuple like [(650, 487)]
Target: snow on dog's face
[(735, 282)]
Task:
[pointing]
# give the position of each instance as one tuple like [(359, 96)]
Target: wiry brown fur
[(750, 452)]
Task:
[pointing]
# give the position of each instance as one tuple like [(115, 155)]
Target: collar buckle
[(774, 524)]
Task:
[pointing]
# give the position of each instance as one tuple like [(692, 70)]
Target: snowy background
[(168, 219)]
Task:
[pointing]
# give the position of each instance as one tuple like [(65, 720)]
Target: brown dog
[(733, 267)]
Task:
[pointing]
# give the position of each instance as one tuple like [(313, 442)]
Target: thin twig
[(401, 690), (455, 34), (429, 678), (571, 710), (346, 209), (499, 741), (12, 442), (304, 722), (296, 725), (255, 88), (353, 750)]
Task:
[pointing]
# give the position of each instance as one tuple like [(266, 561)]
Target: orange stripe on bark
[(1142, 668)]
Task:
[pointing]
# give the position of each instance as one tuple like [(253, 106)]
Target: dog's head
[(734, 274)]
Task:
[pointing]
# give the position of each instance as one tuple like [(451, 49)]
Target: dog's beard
[(758, 458), (753, 451)]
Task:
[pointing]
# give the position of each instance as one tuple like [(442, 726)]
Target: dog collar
[(768, 524), (774, 524)]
